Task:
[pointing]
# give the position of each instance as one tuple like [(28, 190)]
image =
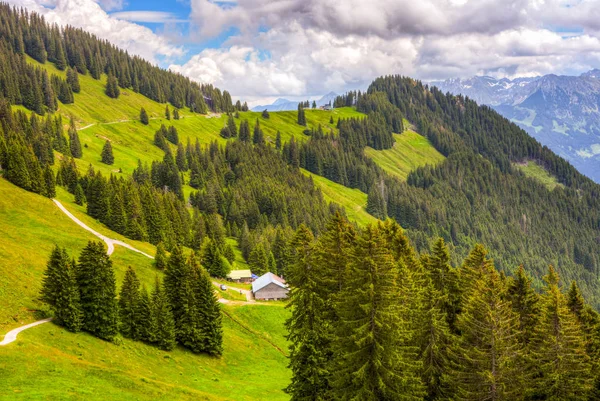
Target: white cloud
[(146, 16)]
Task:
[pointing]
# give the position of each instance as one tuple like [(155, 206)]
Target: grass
[(533, 170), (410, 151), (353, 200), (81, 367)]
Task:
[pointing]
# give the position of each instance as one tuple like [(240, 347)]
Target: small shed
[(269, 287), (240, 276)]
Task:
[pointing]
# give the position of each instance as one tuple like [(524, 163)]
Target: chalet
[(240, 276), (269, 287)]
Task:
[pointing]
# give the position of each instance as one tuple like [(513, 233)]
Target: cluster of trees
[(467, 195), (373, 320), (24, 32), (184, 309), (22, 83), (27, 145)]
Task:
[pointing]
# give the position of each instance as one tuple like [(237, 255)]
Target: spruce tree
[(148, 329), (74, 142), (444, 280), (79, 195), (129, 299), (164, 325), (144, 116), (107, 153), (485, 361), (112, 87), (525, 303), (73, 80), (209, 311), (559, 350), (232, 127), (49, 183), (167, 113), (244, 131), (308, 328), (176, 114), (160, 258), (374, 358), (59, 290), (278, 141), (301, 116), (258, 138), (97, 290), (265, 114)]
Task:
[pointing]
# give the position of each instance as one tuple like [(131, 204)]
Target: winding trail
[(110, 243), (12, 335)]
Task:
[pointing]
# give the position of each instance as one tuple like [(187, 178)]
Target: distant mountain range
[(562, 112), (282, 104)]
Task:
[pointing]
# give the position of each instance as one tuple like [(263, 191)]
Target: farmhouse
[(240, 276), (269, 287)]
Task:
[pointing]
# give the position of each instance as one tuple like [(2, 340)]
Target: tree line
[(183, 309), (374, 320)]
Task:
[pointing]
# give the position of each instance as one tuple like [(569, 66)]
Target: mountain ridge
[(561, 111)]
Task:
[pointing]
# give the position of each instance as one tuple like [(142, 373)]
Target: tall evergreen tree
[(74, 142), (301, 116), (97, 290), (167, 113), (144, 116), (209, 311), (307, 327), (484, 362), (374, 358), (59, 290), (162, 318), (107, 153), (129, 299), (560, 352), (112, 87), (160, 259)]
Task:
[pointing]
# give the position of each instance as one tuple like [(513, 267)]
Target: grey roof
[(267, 279)]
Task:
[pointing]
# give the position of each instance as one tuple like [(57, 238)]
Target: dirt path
[(12, 335), (247, 293), (110, 243)]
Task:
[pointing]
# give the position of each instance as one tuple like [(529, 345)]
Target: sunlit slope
[(354, 201), (533, 170), (410, 151), (30, 226), (48, 362)]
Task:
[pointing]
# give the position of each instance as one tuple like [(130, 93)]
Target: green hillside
[(410, 151), (83, 365), (353, 200), (533, 170)]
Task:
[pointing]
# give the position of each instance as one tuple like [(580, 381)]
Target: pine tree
[(434, 339), (50, 183), (59, 290), (209, 311), (148, 328), (97, 290), (163, 319), (560, 352), (244, 131), (309, 331), (258, 138), (525, 303), (374, 359), (79, 195), (144, 116), (74, 142), (265, 114), (107, 153), (376, 203), (112, 87), (445, 281), (176, 114), (160, 259), (278, 141), (301, 116), (129, 299), (167, 113), (232, 127), (485, 363), (73, 81)]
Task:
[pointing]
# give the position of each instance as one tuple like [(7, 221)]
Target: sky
[(260, 50)]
